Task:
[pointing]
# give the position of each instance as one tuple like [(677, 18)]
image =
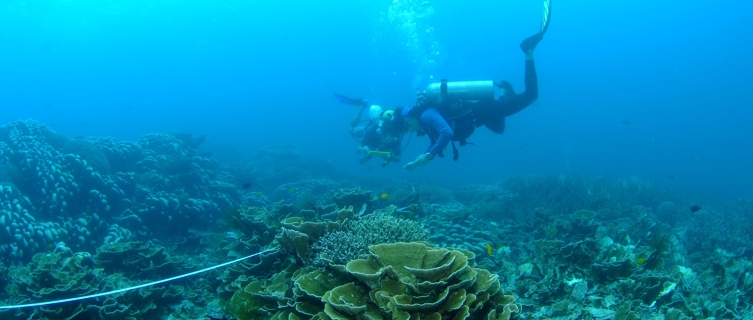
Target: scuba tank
[(460, 90)]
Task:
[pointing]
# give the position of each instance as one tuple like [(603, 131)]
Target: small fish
[(489, 250), (625, 122), (50, 246), (260, 193), (640, 260), (246, 185), (671, 176), (384, 196), (292, 189), (695, 208), (499, 246)]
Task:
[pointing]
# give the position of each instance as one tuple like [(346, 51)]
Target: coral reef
[(355, 198), (465, 235), (82, 191), (88, 215), (62, 274)]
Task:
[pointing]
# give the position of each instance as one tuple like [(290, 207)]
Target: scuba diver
[(449, 112), (382, 134)]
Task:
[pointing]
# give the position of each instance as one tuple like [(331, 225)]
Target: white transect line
[(39, 304)]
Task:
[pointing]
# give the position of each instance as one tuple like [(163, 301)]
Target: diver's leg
[(356, 119), (514, 103), (496, 124), (489, 114)]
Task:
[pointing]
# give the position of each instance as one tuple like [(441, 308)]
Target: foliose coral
[(399, 281), (63, 274)]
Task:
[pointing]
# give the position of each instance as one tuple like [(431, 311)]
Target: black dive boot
[(530, 43)]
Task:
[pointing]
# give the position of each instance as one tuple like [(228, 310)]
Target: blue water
[(249, 74)]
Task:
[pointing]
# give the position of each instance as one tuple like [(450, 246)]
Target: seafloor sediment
[(89, 215)]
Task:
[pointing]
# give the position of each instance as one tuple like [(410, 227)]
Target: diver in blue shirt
[(449, 112)]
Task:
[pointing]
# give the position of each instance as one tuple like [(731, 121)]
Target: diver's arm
[(433, 120), (370, 138), (356, 118)]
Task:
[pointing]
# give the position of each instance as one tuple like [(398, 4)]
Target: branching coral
[(376, 229), (337, 247)]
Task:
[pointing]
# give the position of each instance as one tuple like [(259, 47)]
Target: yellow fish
[(384, 196), (489, 249), (640, 260), (260, 193), (292, 189)]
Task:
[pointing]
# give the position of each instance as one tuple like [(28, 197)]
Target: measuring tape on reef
[(39, 304)]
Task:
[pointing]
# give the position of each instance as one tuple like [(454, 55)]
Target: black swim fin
[(350, 101), (530, 43)]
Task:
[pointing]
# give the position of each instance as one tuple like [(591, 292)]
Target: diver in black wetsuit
[(492, 113), (448, 120)]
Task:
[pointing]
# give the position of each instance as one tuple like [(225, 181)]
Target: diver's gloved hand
[(420, 161)]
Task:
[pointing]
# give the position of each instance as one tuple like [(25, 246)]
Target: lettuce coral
[(401, 281)]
